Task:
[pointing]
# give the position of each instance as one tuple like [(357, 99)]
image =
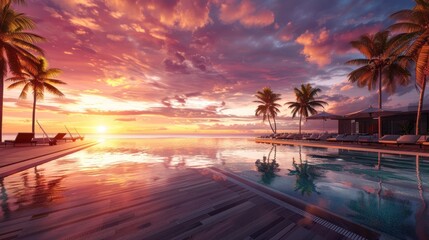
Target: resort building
[(398, 122)]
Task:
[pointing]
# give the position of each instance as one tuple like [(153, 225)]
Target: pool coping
[(324, 217), (345, 146)]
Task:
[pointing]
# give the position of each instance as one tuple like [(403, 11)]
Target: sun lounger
[(388, 139), (350, 138), (71, 138), (407, 140), (60, 136), (313, 136), (324, 137), (338, 138), (290, 136), (79, 136), (297, 137), (281, 136), (21, 138), (423, 140), (368, 139), (46, 140)]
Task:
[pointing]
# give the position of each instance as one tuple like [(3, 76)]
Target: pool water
[(385, 192)]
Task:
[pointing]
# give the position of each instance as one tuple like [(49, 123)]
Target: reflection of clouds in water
[(108, 155), (101, 160), (172, 152)]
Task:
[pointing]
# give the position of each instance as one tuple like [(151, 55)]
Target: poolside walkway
[(373, 147), (21, 157), (184, 204)]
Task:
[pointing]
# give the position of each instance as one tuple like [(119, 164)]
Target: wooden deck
[(182, 204), (21, 157)]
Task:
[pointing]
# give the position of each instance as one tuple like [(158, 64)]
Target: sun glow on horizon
[(101, 129)]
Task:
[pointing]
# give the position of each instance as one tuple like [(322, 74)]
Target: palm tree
[(381, 65), (305, 102), (16, 46), (268, 108), (38, 80), (415, 23)]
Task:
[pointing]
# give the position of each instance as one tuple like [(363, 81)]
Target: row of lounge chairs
[(296, 136), (28, 138), (420, 140)]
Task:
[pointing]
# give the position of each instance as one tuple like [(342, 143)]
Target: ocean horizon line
[(143, 136)]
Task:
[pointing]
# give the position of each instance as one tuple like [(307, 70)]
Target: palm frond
[(24, 91), (13, 60), (17, 84), (422, 65), (358, 62)]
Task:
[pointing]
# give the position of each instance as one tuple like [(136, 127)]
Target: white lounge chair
[(388, 139)]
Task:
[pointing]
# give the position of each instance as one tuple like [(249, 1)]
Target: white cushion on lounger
[(408, 139)]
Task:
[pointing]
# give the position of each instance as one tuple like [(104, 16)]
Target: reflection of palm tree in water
[(382, 212), (45, 191), (305, 176), (4, 200), (42, 192), (421, 229), (380, 180), (267, 168)]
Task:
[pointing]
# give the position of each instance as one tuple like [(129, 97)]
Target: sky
[(183, 66)]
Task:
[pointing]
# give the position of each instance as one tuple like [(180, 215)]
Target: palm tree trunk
[(1, 107), (420, 107), (34, 111), (300, 118), (275, 124), (271, 126), (380, 105)]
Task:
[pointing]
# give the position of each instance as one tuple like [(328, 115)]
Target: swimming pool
[(382, 191)]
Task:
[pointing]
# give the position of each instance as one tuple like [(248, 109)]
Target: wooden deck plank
[(186, 204)]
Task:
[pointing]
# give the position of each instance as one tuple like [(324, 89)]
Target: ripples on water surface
[(386, 192)]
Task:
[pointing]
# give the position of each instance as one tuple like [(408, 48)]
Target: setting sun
[(101, 129)]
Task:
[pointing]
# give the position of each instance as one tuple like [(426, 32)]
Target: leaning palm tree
[(268, 108), (16, 46), (415, 24), (381, 65), (305, 102), (37, 80)]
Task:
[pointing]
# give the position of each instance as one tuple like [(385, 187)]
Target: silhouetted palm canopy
[(268, 108), (415, 23), (37, 80), (4, 3), (16, 46), (381, 64), (305, 102)]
